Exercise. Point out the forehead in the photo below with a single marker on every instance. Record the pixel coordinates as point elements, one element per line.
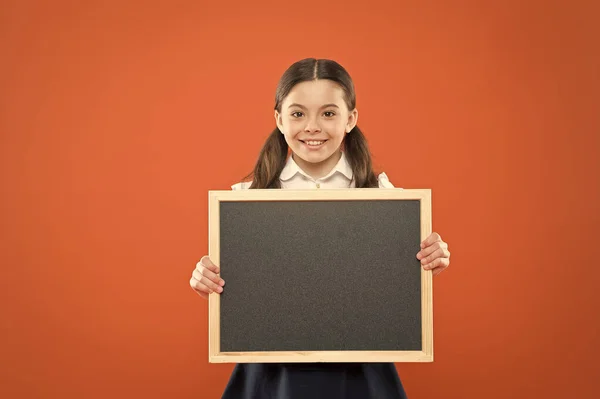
<point>315,93</point>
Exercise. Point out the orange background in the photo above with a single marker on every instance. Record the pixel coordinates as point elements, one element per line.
<point>116,119</point>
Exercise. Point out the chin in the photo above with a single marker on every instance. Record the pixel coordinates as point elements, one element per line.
<point>315,157</point>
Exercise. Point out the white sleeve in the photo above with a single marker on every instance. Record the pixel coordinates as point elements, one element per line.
<point>384,182</point>
<point>242,185</point>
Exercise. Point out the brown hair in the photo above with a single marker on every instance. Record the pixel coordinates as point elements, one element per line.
<point>273,155</point>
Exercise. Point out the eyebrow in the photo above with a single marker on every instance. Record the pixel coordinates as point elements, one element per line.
<point>303,107</point>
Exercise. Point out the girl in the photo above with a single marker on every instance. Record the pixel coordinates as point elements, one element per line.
<point>316,119</point>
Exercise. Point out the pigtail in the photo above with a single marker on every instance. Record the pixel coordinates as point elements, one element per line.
<point>357,152</point>
<point>270,163</point>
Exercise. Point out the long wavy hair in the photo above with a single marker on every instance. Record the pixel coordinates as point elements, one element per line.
<point>273,155</point>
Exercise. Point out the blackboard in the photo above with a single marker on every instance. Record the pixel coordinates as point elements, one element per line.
<point>320,276</point>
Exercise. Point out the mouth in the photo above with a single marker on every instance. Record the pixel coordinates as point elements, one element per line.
<point>313,143</point>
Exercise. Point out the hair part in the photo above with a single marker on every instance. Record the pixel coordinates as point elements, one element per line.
<point>273,155</point>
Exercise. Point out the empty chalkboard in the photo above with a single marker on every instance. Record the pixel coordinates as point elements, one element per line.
<point>320,276</point>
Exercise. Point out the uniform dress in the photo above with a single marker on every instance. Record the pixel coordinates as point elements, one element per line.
<point>318,380</point>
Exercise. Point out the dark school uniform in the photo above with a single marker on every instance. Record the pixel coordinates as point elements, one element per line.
<point>314,381</point>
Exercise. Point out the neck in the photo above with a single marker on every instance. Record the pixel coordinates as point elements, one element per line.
<point>318,170</point>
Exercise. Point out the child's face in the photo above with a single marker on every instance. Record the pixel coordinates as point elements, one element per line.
<point>314,119</point>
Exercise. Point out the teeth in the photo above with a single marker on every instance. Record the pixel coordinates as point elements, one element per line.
<point>314,142</point>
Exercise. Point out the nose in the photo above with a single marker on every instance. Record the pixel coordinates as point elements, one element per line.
<point>312,126</point>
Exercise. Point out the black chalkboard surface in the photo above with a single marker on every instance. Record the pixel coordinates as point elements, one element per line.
<point>320,276</point>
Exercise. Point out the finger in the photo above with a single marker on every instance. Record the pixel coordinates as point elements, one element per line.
<point>201,271</point>
<point>207,263</point>
<point>438,253</point>
<point>439,263</point>
<point>211,285</point>
<point>438,270</point>
<point>433,237</point>
<point>199,288</point>
<point>198,274</point>
<point>203,286</point>
<point>432,248</point>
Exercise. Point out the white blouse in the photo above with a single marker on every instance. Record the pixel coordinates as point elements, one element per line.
<point>295,178</point>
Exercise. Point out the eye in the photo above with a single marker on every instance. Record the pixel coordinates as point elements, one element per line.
<point>329,114</point>
<point>297,114</point>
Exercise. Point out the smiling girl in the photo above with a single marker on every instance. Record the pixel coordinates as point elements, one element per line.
<point>316,144</point>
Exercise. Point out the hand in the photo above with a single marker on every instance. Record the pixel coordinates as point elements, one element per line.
<point>205,279</point>
<point>434,254</point>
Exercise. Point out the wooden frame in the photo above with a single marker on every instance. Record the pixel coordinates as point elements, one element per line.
<point>424,355</point>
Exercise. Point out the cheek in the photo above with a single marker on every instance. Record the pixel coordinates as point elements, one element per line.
<point>293,125</point>
<point>337,129</point>
<point>290,137</point>
<point>292,130</point>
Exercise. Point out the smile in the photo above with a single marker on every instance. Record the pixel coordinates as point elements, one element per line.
<point>313,143</point>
